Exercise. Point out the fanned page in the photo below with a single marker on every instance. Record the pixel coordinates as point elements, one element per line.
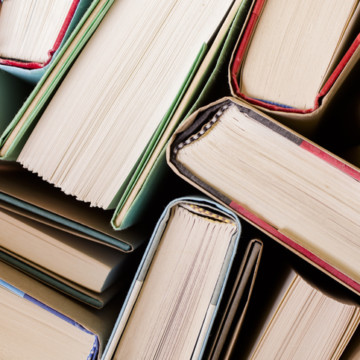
<point>178,296</point>
<point>30,330</point>
<point>104,114</point>
<point>291,49</point>
<point>308,324</point>
<point>29,29</point>
<point>292,189</point>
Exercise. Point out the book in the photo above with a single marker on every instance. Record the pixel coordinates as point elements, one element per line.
<point>175,295</point>
<point>32,34</point>
<point>40,323</point>
<point>273,63</point>
<point>87,265</point>
<point>289,187</point>
<point>227,328</point>
<point>305,322</point>
<point>113,112</point>
<point>40,223</point>
<point>42,202</point>
<point>134,178</point>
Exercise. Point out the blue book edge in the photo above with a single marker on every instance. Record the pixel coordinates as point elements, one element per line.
<point>151,250</point>
<point>95,348</point>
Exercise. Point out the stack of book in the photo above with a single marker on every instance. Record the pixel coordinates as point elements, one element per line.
<point>167,187</point>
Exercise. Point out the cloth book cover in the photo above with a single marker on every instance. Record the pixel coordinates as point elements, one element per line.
<point>305,120</point>
<point>150,255</point>
<point>205,120</point>
<point>227,327</point>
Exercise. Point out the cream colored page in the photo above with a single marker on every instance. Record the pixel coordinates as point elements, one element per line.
<point>27,331</point>
<point>29,28</point>
<point>173,302</point>
<point>291,49</point>
<point>79,260</point>
<point>302,327</point>
<point>291,189</point>
<point>115,95</point>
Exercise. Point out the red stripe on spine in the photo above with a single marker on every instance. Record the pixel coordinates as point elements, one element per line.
<point>306,253</point>
<point>59,39</point>
<point>240,53</point>
<point>331,160</point>
<point>339,68</point>
<point>250,26</point>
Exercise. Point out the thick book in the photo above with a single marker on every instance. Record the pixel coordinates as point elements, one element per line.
<point>39,223</point>
<point>40,323</point>
<point>175,296</point>
<point>32,34</point>
<point>293,59</point>
<point>289,187</point>
<point>305,321</point>
<point>133,179</point>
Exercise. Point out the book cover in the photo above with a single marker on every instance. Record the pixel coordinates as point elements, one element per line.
<point>267,200</point>
<point>304,120</point>
<point>195,210</point>
<point>211,72</point>
<point>97,324</point>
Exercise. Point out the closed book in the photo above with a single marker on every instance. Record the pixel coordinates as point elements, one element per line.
<point>289,187</point>
<point>294,59</point>
<point>174,298</point>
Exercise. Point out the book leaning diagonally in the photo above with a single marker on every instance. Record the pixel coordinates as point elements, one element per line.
<point>303,196</point>
<point>38,322</point>
<point>136,185</point>
<point>305,323</point>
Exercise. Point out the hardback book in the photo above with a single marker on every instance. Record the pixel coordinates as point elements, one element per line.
<point>232,311</point>
<point>32,33</point>
<point>289,187</point>
<point>40,223</point>
<point>107,146</point>
<point>38,322</point>
<point>305,322</point>
<point>293,57</point>
<point>174,299</point>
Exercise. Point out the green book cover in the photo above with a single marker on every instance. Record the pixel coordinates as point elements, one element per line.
<point>203,89</point>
